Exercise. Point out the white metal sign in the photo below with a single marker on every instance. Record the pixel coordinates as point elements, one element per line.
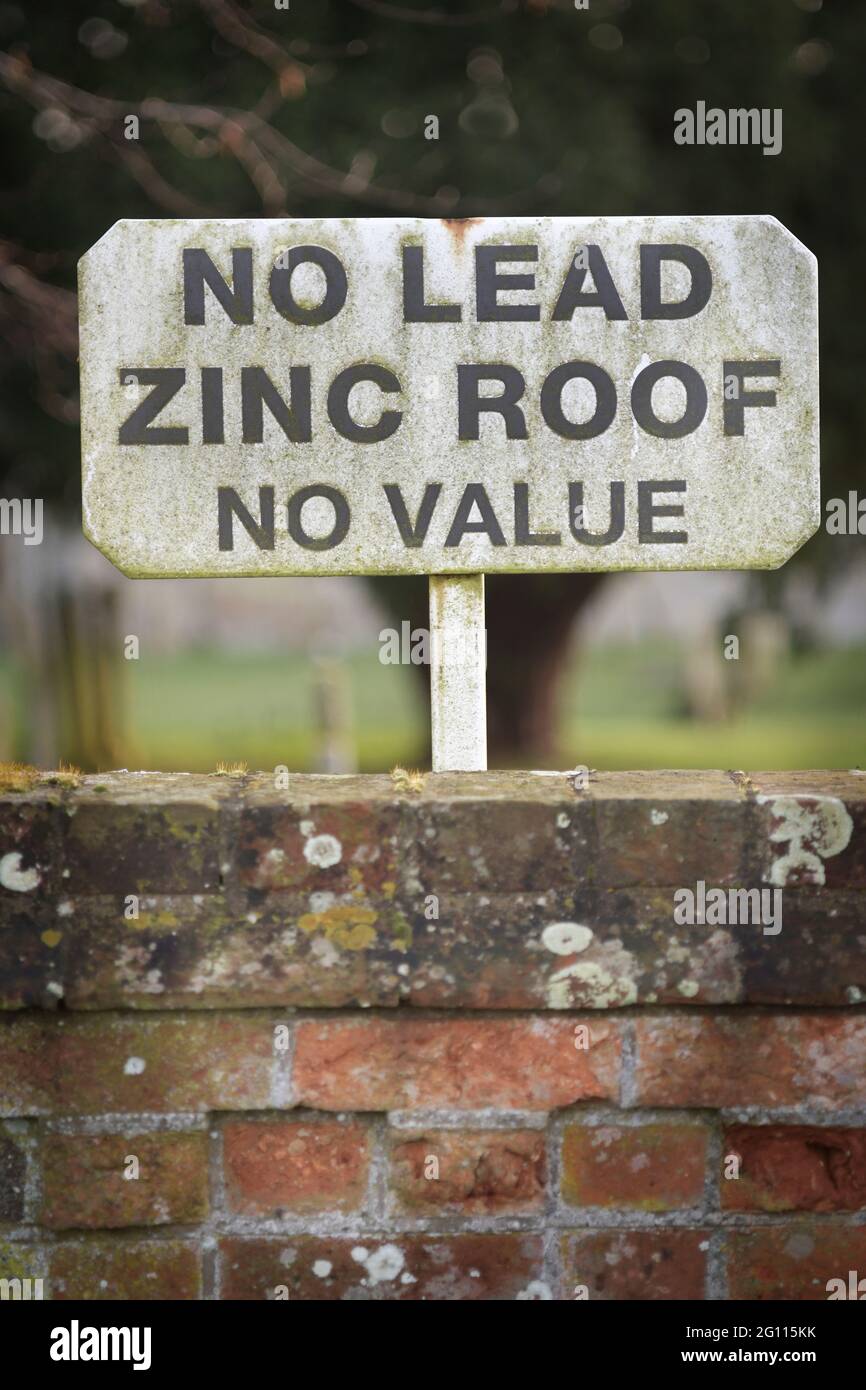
<point>450,398</point>
<point>393,396</point>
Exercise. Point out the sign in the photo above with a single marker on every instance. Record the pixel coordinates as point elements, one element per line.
<point>404,396</point>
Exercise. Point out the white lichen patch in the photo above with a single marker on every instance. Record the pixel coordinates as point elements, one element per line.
<point>133,974</point>
<point>588,985</point>
<point>658,817</point>
<point>606,981</point>
<point>382,1265</point>
<point>535,1291</point>
<point>714,965</point>
<point>325,951</point>
<point>323,851</point>
<point>16,879</point>
<point>320,902</point>
<point>814,827</point>
<point>566,938</point>
<point>134,1066</point>
<point>800,1245</point>
<point>322,1268</point>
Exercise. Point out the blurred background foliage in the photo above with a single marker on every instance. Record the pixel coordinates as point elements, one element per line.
<point>316,108</point>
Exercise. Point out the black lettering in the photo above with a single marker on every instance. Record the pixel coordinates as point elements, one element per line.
<point>475,494</point>
<point>414,308</point>
<point>413,536</point>
<point>166,382</point>
<point>576,515</point>
<point>605,296</point>
<point>199,270</point>
<point>212,416</point>
<point>338,404</point>
<point>522,533</point>
<point>642,406</point>
<point>470,405</point>
<point>229,504</point>
<point>488,283</point>
<point>734,411</point>
<point>335,291</point>
<point>551,400</point>
<point>342,517</point>
<point>647,510</point>
<point>258,390</point>
<point>651,257</point>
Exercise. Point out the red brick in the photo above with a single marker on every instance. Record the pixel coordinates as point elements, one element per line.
<point>92,1064</point>
<point>646,1167</point>
<point>13,1171</point>
<point>124,1269</point>
<point>634,1265</point>
<point>295,1165</point>
<point>793,1262</point>
<point>32,952</point>
<point>84,1183</point>
<point>31,826</point>
<point>197,951</point>
<point>795,1168</point>
<point>387,1268</point>
<point>812,827</point>
<point>664,828</point>
<point>194,1062</point>
<point>529,840</point>
<point>21,1259</point>
<point>337,841</point>
<point>153,834</point>
<point>752,1060</point>
<point>514,1063</point>
<point>27,1070</point>
<point>478,1171</point>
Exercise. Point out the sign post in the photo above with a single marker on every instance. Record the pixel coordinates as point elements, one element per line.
<point>458,656</point>
<point>451,399</point>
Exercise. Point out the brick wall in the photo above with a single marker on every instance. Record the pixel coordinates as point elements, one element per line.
<point>354,1040</point>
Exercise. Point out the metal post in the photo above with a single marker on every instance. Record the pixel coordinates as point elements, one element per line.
<point>458,660</point>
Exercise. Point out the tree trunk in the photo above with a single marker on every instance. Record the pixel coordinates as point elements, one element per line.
<point>529,625</point>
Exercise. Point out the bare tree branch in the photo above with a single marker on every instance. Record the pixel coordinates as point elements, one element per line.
<point>247,136</point>
<point>241,30</point>
<point>39,324</point>
<point>433,16</point>
<point>148,177</point>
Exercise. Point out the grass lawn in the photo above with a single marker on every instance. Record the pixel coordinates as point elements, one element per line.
<point>621,707</point>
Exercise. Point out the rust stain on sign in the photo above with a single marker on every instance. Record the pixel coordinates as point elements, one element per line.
<point>459,226</point>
